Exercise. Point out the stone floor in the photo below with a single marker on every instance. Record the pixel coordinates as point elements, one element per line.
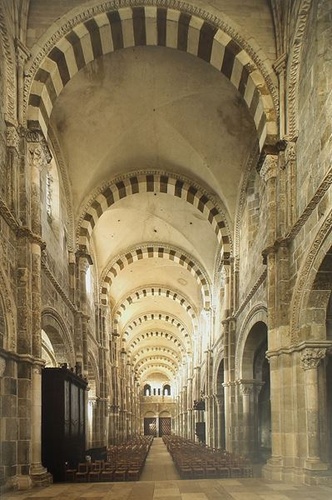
<point>159,481</point>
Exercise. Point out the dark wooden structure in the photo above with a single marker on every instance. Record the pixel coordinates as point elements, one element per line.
<point>63,420</point>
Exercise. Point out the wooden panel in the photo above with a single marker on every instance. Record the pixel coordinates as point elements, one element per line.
<point>63,420</point>
<point>165,426</point>
<point>150,426</point>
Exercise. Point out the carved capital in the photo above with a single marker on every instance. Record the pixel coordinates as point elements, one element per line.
<point>269,167</point>
<point>311,357</point>
<point>92,402</point>
<point>246,388</point>
<point>36,157</point>
<point>22,52</point>
<point>219,398</point>
<point>36,142</point>
<point>84,257</point>
<point>290,153</point>
<point>37,370</point>
<point>12,138</point>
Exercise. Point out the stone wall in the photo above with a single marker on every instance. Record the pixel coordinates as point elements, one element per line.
<point>252,236</point>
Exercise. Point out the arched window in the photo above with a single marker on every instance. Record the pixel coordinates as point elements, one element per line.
<point>167,390</point>
<point>147,390</point>
<point>48,353</point>
<point>89,284</point>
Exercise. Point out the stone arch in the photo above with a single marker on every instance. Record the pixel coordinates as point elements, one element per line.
<point>218,359</point>
<point>253,381</point>
<point>147,390</point>
<point>155,182</point>
<point>219,376</point>
<point>247,343</point>
<point>168,318</point>
<point>177,341</point>
<point>166,390</point>
<point>7,305</point>
<point>257,335</point>
<point>311,277</point>
<point>164,360</point>
<point>153,251</point>
<point>59,336</point>
<point>103,29</point>
<point>149,413</point>
<point>145,351</point>
<point>165,413</point>
<point>155,291</point>
<point>150,368</point>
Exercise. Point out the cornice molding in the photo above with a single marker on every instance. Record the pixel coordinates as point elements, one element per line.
<point>300,347</point>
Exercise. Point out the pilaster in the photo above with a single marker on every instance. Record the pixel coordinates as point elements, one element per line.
<point>310,360</point>
<point>83,260</point>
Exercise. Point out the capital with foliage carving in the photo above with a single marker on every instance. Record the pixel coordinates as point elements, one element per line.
<point>269,167</point>
<point>311,357</point>
<point>13,138</point>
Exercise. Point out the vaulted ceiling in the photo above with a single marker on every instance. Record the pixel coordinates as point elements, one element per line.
<point>156,143</point>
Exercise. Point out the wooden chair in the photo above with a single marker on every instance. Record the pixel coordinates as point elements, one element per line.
<point>120,474</point>
<point>185,471</point>
<point>82,472</point>
<point>70,473</point>
<point>107,472</point>
<point>94,471</point>
<point>198,472</point>
<point>222,471</point>
<point>133,474</point>
<point>210,471</point>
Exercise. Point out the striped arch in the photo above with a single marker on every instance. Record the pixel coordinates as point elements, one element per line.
<point>168,318</point>
<point>160,350</point>
<point>135,343</point>
<point>149,368</point>
<point>154,251</point>
<point>155,182</point>
<point>109,28</point>
<point>152,291</point>
<point>157,359</point>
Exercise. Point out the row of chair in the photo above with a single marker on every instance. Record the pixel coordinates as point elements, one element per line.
<point>124,462</point>
<point>194,461</point>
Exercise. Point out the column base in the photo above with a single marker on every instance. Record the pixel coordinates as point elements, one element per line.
<point>317,472</point>
<point>40,476</point>
<point>315,464</point>
<point>20,482</point>
<point>273,469</point>
<point>313,472</point>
